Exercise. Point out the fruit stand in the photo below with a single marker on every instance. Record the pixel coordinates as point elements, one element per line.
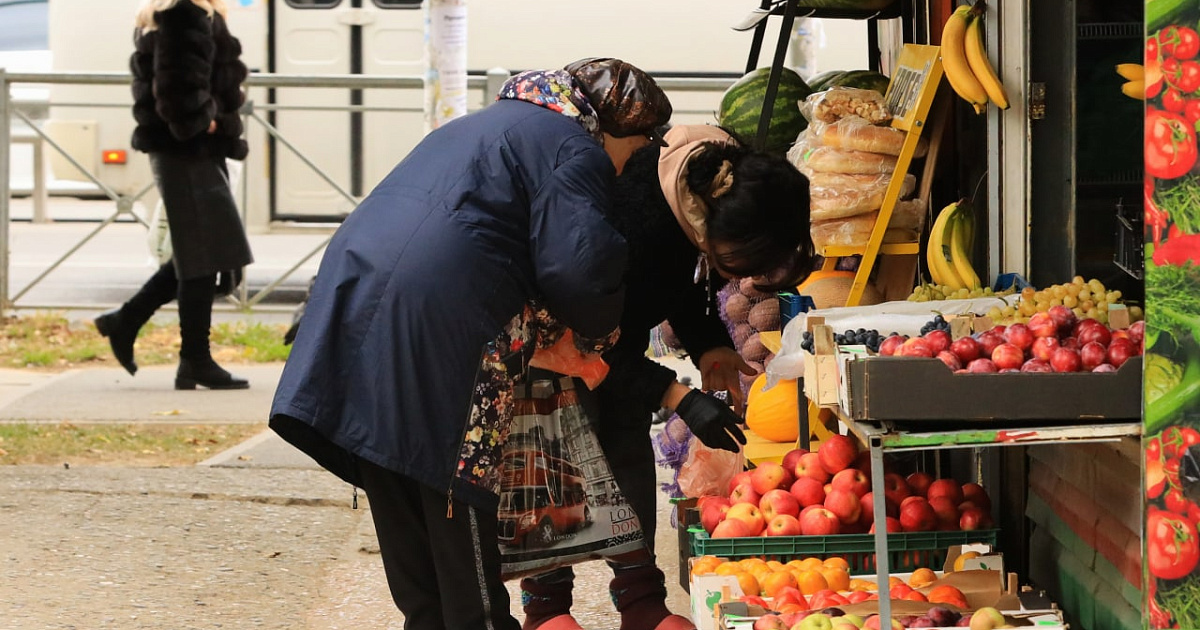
<point>1049,380</point>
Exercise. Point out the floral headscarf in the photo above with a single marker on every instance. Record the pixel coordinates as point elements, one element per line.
<point>555,90</point>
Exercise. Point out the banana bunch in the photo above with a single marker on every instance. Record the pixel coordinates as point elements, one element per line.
<point>950,239</point>
<point>1135,80</point>
<point>965,60</point>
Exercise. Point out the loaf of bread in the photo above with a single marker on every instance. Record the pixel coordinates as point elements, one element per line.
<point>837,195</point>
<point>829,160</point>
<point>856,134</point>
<point>841,102</point>
<point>907,219</point>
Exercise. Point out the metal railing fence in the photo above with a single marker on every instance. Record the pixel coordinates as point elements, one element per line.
<point>251,111</point>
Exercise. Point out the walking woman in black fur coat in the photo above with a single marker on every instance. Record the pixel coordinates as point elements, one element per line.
<point>187,79</point>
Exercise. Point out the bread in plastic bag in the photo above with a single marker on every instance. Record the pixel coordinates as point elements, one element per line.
<point>855,134</point>
<point>840,102</point>
<point>707,471</point>
<point>838,195</point>
<point>809,156</point>
<point>907,217</point>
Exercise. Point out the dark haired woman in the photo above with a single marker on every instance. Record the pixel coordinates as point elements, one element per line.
<point>186,89</point>
<point>703,206</point>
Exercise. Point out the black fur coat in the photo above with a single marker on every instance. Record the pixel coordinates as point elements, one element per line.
<point>187,73</point>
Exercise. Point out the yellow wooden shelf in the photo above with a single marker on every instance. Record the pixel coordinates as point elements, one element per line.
<point>759,450</point>
<point>893,249</point>
<point>772,340</point>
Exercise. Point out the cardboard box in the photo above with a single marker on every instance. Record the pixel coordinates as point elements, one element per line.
<point>707,591</point>
<point>919,389</point>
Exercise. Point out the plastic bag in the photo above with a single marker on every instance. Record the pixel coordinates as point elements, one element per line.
<point>707,471</point>
<point>158,236</point>
<point>565,358</point>
<point>855,134</point>
<point>840,102</point>
<point>838,195</point>
<point>559,503</point>
<point>855,231</point>
<point>810,156</point>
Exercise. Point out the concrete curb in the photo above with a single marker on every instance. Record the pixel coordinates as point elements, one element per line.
<point>232,453</point>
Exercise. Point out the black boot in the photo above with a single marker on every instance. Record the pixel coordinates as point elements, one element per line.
<point>196,365</point>
<point>121,326</point>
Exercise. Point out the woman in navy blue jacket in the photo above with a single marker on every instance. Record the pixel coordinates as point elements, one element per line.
<point>400,380</point>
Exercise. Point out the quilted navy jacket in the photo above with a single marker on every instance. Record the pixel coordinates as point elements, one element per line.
<point>489,211</point>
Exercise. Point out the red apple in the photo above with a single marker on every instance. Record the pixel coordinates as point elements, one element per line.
<point>791,457</point>
<point>974,519</point>
<point>939,340</point>
<point>975,493</point>
<point>948,488</point>
<point>744,493</point>
<point>916,347</point>
<point>1044,347</point>
<point>1105,367</point>
<point>1091,355</point>
<point>818,521</point>
<point>966,349</point>
<point>748,514</point>
<point>1137,332</point>
<point>732,528</point>
<point>810,466</point>
<point>895,488</point>
<point>770,622</point>
<point>1065,360</point>
<point>982,366</point>
<point>891,344</point>
<point>1098,333</point>
<point>1042,325</point>
<point>919,483</point>
<point>1063,317</point>
<point>1121,351</point>
<point>1019,336</point>
<point>1007,356</point>
<point>783,525</point>
<point>873,623</point>
<point>866,511</point>
<point>852,480</point>
<point>863,463</point>
<point>946,511</point>
<point>769,476</point>
<point>893,526</point>
<point>899,591</point>
<point>916,515</point>
<point>713,513</point>
<point>988,342</point>
<point>1037,365</point>
<point>844,504</point>
<point>738,479</point>
<point>776,502</point>
<point>1083,325</point>
<point>950,359</point>
<point>837,452</point>
<point>808,491</point>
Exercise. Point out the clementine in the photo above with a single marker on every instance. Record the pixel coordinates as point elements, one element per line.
<point>748,583</point>
<point>776,581</point>
<point>837,561</point>
<point>728,568</point>
<point>812,581</point>
<point>837,579</point>
<point>922,577</point>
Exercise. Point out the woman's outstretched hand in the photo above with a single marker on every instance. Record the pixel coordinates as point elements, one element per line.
<point>720,370</point>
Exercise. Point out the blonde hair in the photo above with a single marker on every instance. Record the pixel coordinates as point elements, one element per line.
<point>145,16</point>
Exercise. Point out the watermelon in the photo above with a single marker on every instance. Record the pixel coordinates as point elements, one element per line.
<point>742,105</point>
<point>865,79</point>
<point>821,81</point>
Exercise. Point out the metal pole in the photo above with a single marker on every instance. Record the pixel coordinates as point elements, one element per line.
<point>495,80</point>
<point>40,196</point>
<point>881,535</point>
<point>5,131</point>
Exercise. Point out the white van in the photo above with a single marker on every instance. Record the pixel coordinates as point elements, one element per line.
<point>387,37</point>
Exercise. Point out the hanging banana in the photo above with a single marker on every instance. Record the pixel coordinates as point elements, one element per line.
<point>940,269</point>
<point>959,255</point>
<point>954,60</point>
<point>977,59</point>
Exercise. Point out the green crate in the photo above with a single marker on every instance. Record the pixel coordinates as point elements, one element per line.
<point>906,552</point>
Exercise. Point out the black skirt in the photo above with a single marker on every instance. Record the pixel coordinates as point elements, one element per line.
<point>207,235</point>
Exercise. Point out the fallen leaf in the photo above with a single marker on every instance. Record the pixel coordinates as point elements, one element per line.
<point>173,412</point>
<point>245,458</point>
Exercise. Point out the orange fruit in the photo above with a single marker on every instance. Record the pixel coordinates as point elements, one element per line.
<point>760,574</point>
<point>705,565</point>
<point>749,564</point>
<point>796,564</point>
<point>946,594</point>
<point>894,582</point>
<point>775,565</point>
<point>959,561</point>
<point>837,579</point>
<point>922,577</point>
<point>728,568</point>
<point>862,585</point>
<point>838,562</point>
<point>777,580</point>
<point>810,564</point>
<point>812,581</point>
<point>792,607</point>
<point>748,583</point>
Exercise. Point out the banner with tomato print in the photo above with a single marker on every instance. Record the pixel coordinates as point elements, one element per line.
<point>1171,433</point>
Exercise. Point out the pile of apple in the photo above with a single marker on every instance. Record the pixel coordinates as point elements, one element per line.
<point>828,492</point>
<point>987,618</point>
<point>1052,341</point>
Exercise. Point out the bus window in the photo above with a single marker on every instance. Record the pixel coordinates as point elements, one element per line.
<point>313,4</point>
<point>398,4</point>
<point>541,498</point>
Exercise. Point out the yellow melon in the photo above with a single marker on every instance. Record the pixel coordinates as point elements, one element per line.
<point>829,289</point>
<point>774,414</point>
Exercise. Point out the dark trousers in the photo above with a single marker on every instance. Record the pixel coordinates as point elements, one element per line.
<point>443,569</point>
<point>195,297</point>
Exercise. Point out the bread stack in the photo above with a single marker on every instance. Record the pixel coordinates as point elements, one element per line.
<point>849,154</point>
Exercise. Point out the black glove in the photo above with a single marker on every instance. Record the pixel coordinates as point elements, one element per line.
<point>711,420</point>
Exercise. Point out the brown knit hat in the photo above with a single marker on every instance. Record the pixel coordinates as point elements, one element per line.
<point>628,102</point>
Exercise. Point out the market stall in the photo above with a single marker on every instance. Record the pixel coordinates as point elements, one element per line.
<point>968,445</point>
